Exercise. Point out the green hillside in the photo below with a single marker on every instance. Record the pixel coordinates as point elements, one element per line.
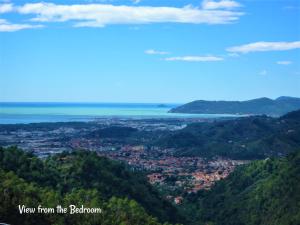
<point>258,106</point>
<point>253,137</point>
<point>263,192</point>
<point>82,178</point>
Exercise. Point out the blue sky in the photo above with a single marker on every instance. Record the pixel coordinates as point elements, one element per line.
<point>148,50</point>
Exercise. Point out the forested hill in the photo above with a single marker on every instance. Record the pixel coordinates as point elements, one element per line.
<point>263,192</point>
<point>80,178</point>
<point>258,106</point>
<point>254,137</point>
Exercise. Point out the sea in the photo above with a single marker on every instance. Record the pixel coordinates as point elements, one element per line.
<point>36,112</point>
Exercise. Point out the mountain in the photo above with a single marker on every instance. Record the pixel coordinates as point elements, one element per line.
<point>295,115</point>
<point>258,106</point>
<point>80,178</point>
<point>254,137</point>
<point>262,192</point>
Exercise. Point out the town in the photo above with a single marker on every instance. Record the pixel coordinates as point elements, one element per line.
<point>174,176</point>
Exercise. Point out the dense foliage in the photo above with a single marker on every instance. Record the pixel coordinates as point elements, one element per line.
<point>263,192</point>
<point>253,137</point>
<point>83,178</point>
<point>258,106</point>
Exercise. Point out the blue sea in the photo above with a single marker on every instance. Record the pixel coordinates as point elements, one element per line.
<point>13,113</point>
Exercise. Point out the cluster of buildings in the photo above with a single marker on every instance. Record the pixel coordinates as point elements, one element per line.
<point>45,139</point>
<point>173,174</point>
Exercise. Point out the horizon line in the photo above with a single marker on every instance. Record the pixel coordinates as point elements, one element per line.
<point>104,102</point>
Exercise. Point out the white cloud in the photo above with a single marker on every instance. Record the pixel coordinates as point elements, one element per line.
<point>99,15</point>
<point>195,58</point>
<point>98,1</point>
<point>233,54</point>
<point>223,4</point>
<point>284,62</point>
<point>265,46</point>
<point>155,52</point>
<point>6,26</point>
<point>136,1</point>
<point>263,72</point>
<point>5,8</point>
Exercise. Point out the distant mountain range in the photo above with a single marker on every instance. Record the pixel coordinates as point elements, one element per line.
<point>258,106</point>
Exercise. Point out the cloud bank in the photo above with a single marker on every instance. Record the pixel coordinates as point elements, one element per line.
<point>5,8</point>
<point>6,26</point>
<point>265,46</point>
<point>195,58</point>
<point>100,15</point>
<point>223,4</point>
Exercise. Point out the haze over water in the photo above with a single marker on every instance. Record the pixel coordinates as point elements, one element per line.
<point>11,113</point>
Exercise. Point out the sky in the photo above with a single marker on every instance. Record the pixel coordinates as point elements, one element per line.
<point>169,51</point>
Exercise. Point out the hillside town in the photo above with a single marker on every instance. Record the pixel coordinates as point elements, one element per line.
<point>173,174</point>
